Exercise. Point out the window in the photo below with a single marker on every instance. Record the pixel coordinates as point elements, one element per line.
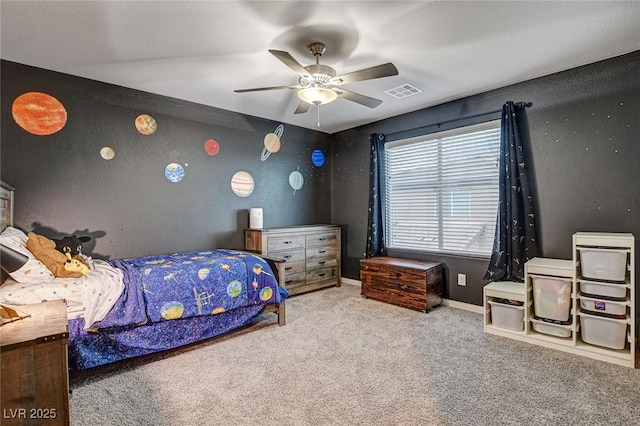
<point>441,191</point>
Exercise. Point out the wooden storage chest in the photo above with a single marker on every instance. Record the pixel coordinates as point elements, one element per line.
<point>311,254</point>
<point>33,357</point>
<point>413,284</point>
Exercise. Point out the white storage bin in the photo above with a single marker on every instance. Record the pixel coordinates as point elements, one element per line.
<point>506,316</point>
<point>551,297</point>
<point>602,331</point>
<point>618,291</point>
<point>603,264</point>
<point>552,329</point>
<point>609,307</point>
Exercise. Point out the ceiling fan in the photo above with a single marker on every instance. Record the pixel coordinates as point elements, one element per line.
<point>318,84</point>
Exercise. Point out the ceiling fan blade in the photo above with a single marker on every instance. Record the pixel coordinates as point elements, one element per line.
<point>384,70</point>
<point>259,89</point>
<point>289,61</point>
<point>357,97</point>
<point>302,108</point>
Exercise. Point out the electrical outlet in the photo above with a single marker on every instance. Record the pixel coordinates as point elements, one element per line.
<point>462,279</point>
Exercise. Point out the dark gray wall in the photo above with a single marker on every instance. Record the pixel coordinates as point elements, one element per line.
<point>126,204</point>
<point>583,126</point>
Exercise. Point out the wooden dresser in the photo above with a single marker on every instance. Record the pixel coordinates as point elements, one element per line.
<point>311,252</point>
<point>413,284</point>
<point>34,375</point>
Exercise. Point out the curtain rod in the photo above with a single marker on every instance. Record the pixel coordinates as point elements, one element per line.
<point>395,135</point>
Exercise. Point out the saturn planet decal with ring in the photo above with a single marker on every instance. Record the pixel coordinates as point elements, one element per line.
<point>272,143</point>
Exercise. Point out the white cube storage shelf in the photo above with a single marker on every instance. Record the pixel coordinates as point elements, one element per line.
<point>601,305</point>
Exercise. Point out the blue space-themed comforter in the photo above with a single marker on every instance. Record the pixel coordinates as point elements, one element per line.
<point>184,285</point>
<point>173,300</point>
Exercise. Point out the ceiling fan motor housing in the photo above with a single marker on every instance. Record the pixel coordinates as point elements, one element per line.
<point>318,75</point>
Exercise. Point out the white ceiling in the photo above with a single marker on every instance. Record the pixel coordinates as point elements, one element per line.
<point>202,51</point>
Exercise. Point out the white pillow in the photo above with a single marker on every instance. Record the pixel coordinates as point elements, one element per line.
<point>33,270</point>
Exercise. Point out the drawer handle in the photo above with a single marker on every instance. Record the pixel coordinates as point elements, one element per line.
<point>286,256</point>
<point>288,281</point>
<point>322,239</point>
<point>322,251</point>
<point>286,242</point>
<point>288,268</point>
<point>322,274</point>
<point>322,262</point>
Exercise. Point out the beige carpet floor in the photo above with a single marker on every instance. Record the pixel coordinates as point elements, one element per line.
<point>345,360</point>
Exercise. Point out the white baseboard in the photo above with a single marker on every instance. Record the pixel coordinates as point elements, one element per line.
<point>350,281</point>
<point>463,305</point>
<point>446,302</point>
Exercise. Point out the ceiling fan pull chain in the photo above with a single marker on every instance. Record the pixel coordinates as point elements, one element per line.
<point>318,125</point>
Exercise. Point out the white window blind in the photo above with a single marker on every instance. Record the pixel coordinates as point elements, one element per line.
<point>441,191</point>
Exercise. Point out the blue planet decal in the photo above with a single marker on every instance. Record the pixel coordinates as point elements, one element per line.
<point>174,172</point>
<point>234,288</point>
<point>317,158</point>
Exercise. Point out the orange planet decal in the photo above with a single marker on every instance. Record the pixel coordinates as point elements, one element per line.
<point>146,124</point>
<point>39,113</point>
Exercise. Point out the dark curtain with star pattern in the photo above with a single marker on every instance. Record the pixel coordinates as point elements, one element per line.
<point>375,235</point>
<point>516,240</point>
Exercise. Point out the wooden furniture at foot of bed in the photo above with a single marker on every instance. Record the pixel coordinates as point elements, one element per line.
<point>413,284</point>
<point>34,374</point>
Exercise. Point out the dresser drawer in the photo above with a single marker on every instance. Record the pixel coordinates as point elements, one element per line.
<point>293,279</point>
<point>321,263</point>
<point>322,252</point>
<point>323,239</point>
<point>289,255</point>
<point>286,242</point>
<point>321,274</point>
<point>294,267</point>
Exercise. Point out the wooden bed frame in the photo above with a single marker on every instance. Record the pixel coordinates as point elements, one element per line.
<point>276,264</point>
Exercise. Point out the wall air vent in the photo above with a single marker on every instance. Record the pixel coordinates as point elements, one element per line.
<point>403,91</point>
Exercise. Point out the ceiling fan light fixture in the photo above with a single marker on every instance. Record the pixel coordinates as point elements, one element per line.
<point>317,95</point>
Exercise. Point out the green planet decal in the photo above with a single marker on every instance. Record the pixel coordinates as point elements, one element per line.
<point>172,310</point>
<point>266,293</point>
<point>234,288</point>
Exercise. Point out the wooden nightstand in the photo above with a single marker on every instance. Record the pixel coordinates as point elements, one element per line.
<point>34,374</point>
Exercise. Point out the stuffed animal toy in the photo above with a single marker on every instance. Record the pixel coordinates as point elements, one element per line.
<point>45,251</point>
<point>73,245</point>
<point>74,264</point>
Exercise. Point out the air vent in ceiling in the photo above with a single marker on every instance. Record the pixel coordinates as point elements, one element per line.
<point>403,91</point>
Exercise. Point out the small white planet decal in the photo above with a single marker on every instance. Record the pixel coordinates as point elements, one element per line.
<point>107,153</point>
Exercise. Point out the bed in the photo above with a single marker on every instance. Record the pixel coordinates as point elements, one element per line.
<point>126,308</point>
